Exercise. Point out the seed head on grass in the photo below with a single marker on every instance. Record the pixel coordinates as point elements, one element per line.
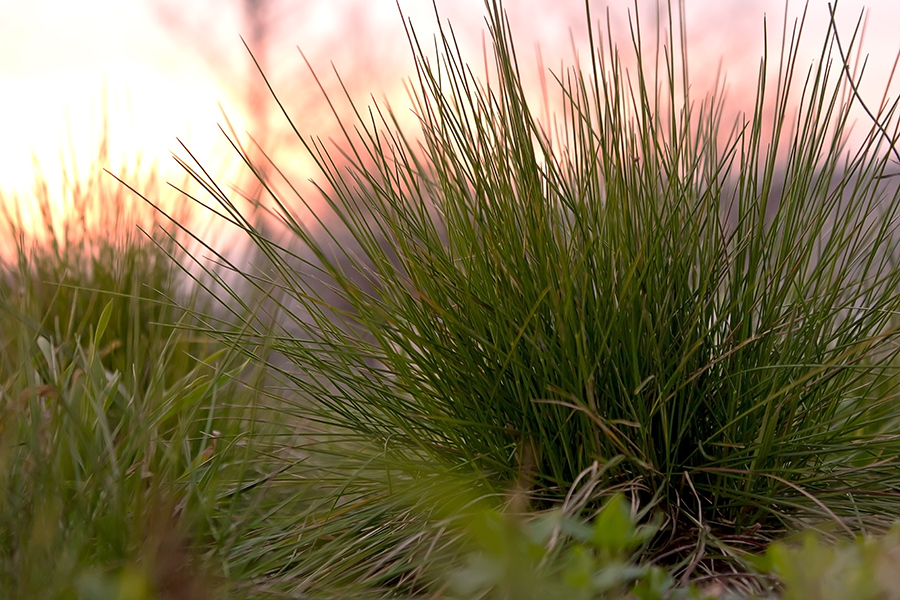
<point>635,295</point>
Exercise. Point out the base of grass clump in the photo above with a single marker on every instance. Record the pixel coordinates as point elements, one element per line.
<point>633,303</point>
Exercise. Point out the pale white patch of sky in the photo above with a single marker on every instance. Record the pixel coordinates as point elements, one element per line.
<point>58,59</point>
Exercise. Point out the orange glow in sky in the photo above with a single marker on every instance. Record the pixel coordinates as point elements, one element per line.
<point>61,62</point>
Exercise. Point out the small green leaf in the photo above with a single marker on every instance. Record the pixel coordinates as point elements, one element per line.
<point>613,528</point>
<point>579,569</point>
<point>103,322</point>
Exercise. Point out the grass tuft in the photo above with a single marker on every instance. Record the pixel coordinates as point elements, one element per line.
<point>633,299</point>
<point>118,422</point>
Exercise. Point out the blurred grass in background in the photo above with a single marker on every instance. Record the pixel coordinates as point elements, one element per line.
<point>117,417</point>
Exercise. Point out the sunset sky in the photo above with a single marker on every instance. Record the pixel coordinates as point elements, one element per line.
<point>162,68</point>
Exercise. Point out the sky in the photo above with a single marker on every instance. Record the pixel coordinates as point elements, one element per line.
<point>159,71</point>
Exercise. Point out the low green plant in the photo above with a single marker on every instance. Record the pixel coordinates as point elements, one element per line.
<point>810,568</point>
<point>557,556</point>
<point>703,317</point>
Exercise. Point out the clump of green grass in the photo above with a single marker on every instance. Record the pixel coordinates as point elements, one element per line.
<point>633,302</point>
<point>119,424</point>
